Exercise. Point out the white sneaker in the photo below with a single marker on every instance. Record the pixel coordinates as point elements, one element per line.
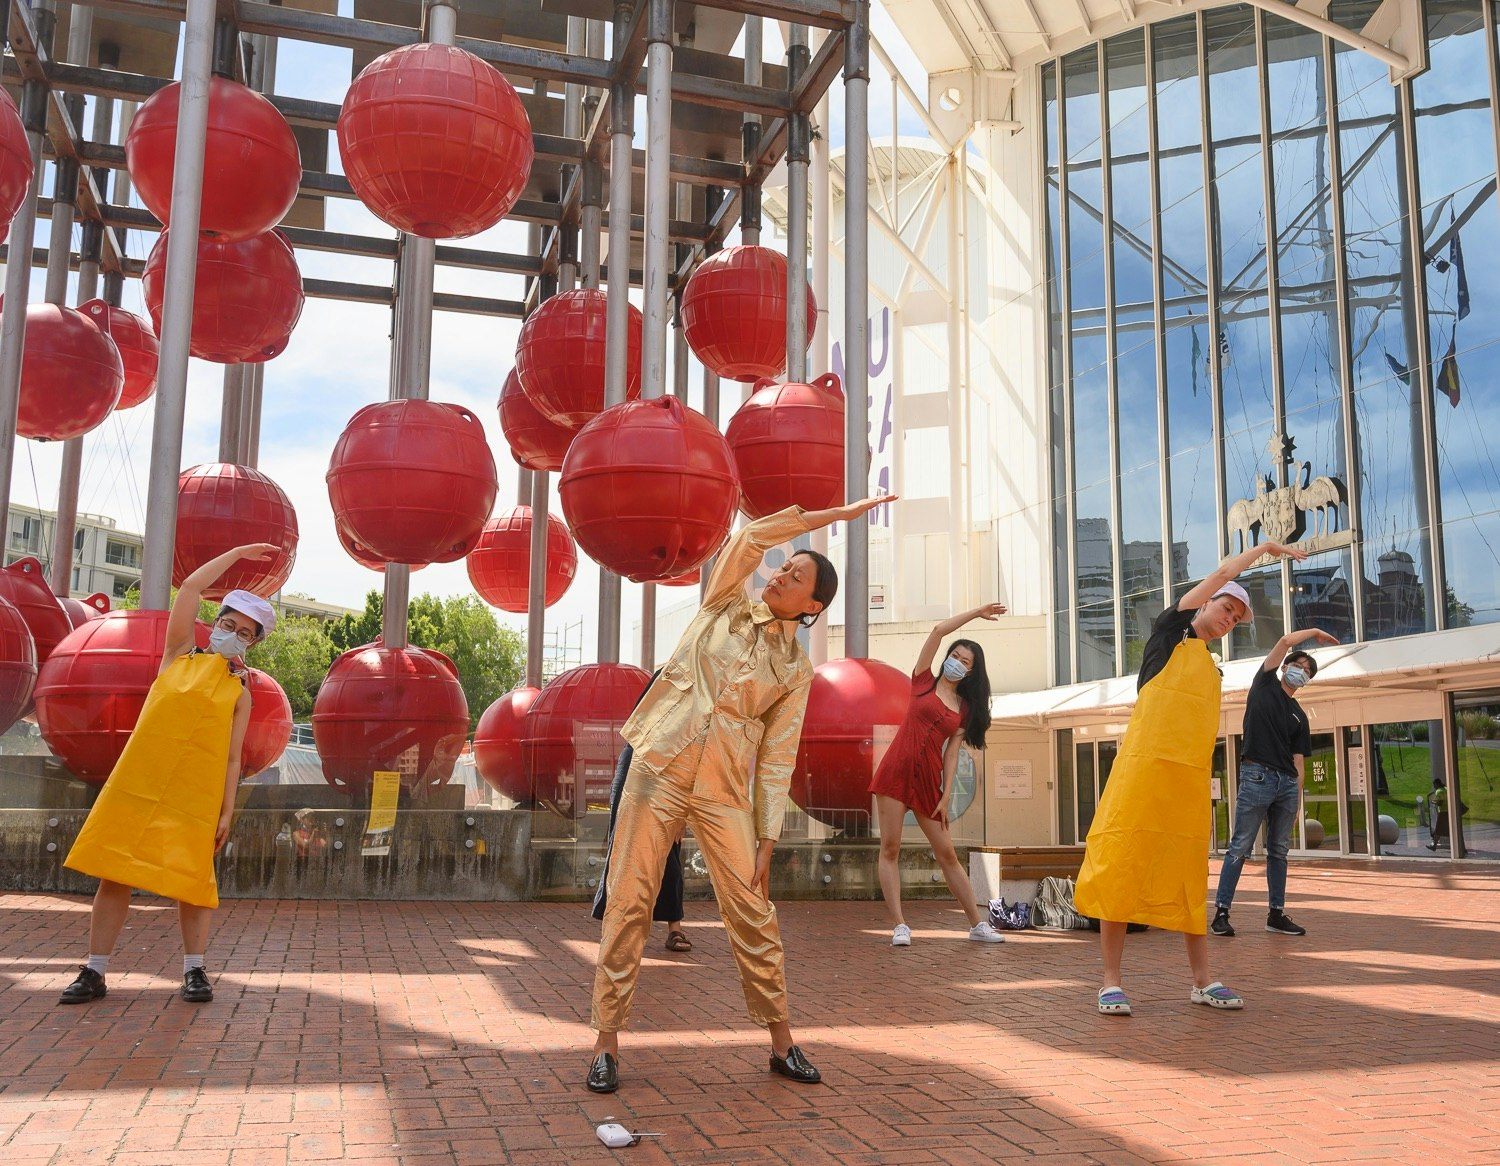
<point>983,932</point>
<point>901,936</point>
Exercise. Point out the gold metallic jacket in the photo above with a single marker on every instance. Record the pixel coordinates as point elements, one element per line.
<point>738,675</point>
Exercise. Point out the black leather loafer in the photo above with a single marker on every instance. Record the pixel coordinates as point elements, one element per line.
<point>604,1074</point>
<point>796,1066</point>
<point>195,987</point>
<point>88,986</point>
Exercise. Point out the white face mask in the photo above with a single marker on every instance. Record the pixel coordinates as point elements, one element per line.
<point>226,644</point>
<point>1295,677</point>
<point>954,670</point>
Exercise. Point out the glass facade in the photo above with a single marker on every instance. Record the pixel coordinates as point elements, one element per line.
<point>1262,326</point>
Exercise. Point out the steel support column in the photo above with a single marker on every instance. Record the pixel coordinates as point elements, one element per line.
<point>856,328</point>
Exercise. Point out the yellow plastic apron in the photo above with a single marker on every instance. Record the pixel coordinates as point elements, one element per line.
<point>1147,854</point>
<point>154,821</point>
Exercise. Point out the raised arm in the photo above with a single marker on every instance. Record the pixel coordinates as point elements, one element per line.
<point>1231,567</point>
<point>179,638</point>
<point>1290,641</point>
<point>948,627</point>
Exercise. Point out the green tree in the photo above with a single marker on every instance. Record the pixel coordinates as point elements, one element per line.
<point>490,658</point>
<point>297,655</point>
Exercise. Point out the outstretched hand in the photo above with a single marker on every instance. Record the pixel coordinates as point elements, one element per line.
<point>1322,637</point>
<point>991,611</point>
<point>257,550</point>
<point>1284,551</point>
<point>865,505</point>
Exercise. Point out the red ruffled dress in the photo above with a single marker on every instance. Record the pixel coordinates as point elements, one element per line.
<point>912,769</point>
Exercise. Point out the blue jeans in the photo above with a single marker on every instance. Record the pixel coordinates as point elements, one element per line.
<point>1264,796</point>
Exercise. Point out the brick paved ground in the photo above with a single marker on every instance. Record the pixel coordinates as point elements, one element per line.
<point>426,1034</point>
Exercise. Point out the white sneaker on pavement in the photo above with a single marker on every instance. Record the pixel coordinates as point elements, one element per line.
<point>901,936</point>
<point>983,932</point>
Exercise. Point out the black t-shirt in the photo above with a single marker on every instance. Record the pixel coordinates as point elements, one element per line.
<point>1169,630</point>
<point>1275,725</point>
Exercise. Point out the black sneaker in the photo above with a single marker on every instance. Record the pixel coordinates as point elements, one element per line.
<point>1278,922</point>
<point>88,986</point>
<point>195,987</point>
<point>1220,925</point>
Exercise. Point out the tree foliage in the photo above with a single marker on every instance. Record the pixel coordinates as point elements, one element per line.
<point>297,655</point>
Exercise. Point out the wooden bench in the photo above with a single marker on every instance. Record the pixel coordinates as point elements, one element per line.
<point>1039,862</point>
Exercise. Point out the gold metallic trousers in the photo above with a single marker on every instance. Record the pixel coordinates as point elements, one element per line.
<point>651,808</point>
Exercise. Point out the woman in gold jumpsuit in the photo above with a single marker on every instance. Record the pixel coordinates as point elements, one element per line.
<point>715,738</point>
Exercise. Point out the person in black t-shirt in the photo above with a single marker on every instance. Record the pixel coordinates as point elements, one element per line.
<point>1275,742</point>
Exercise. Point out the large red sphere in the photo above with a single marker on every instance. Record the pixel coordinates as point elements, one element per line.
<point>734,313</point>
<point>221,506</point>
<point>80,611</point>
<point>435,141</point>
<point>497,744</point>
<point>247,297</point>
<point>854,708</point>
<point>788,445</point>
<point>500,565</point>
<point>382,708</point>
<point>270,726</point>
<point>139,350</point>
<point>535,442</point>
<point>90,692</point>
<point>362,555</point>
<point>24,584</point>
<point>560,356</point>
<point>648,489</point>
<point>412,481</point>
<point>15,161</point>
<point>251,164</point>
<point>17,665</point>
<point>71,374</point>
<point>570,740</point>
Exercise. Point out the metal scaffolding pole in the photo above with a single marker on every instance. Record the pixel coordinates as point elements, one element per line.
<point>412,343</point>
<point>535,600</point>
<point>820,188</point>
<point>177,306</point>
<point>798,156</point>
<point>750,131</point>
<point>856,327</point>
<point>230,412</point>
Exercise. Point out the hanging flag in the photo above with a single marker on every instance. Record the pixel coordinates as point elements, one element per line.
<point>1401,371</point>
<point>1197,360</point>
<point>1223,349</point>
<point>1456,259</point>
<point>1447,378</point>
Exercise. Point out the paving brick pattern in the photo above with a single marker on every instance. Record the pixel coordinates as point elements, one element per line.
<point>434,1034</point>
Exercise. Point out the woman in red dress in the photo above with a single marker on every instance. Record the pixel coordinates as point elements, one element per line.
<point>946,713</point>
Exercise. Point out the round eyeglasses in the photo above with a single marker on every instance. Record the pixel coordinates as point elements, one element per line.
<point>244,635</point>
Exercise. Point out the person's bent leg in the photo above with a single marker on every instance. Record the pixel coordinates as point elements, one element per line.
<point>644,831</point>
<point>1282,813</point>
<point>891,814</point>
<point>1256,792</point>
<point>941,841</point>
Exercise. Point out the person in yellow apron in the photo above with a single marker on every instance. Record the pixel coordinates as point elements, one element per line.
<point>1146,859</point>
<point>715,739</point>
<point>167,806</point>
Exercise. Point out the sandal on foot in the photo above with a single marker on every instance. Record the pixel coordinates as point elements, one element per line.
<point>1113,1002</point>
<point>678,941</point>
<point>1215,995</point>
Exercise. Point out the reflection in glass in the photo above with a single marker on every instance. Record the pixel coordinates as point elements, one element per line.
<point>1475,794</point>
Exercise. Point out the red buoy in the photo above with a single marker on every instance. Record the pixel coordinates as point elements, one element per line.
<point>221,506</point>
<point>648,489</point>
<point>270,726</point>
<point>90,691</point>
<point>247,297</point>
<point>24,584</point>
<point>734,313</point>
<point>500,564</point>
<point>391,709</point>
<point>80,611</point>
<point>497,744</point>
<point>17,665</point>
<point>788,445</point>
<point>854,708</point>
<point>15,161</point>
<point>138,349</point>
<point>412,481</point>
<point>570,739</point>
<point>435,141</point>
<point>535,442</point>
<point>251,165</point>
<point>560,356</point>
<point>71,375</point>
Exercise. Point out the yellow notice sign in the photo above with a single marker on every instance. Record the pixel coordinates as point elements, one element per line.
<point>384,793</point>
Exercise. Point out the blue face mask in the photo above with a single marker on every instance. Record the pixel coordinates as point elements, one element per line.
<point>226,644</point>
<point>1295,677</point>
<point>954,670</point>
